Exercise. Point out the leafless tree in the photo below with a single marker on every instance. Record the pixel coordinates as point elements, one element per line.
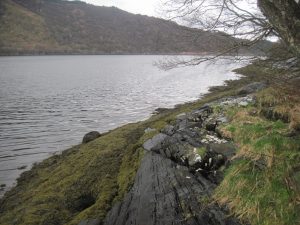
<point>249,21</point>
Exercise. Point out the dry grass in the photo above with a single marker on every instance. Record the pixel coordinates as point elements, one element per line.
<point>295,118</point>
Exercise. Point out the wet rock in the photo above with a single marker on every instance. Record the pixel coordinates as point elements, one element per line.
<point>155,143</point>
<point>90,136</point>
<point>167,194</point>
<point>251,88</point>
<point>90,222</point>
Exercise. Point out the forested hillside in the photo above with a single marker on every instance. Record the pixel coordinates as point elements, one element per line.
<point>63,27</point>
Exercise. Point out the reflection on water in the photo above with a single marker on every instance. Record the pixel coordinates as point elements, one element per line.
<point>49,102</point>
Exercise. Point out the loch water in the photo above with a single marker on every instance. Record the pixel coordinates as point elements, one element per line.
<point>48,103</point>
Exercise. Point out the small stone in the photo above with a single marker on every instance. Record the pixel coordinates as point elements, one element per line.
<point>90,136</point>
<point>243,103</point>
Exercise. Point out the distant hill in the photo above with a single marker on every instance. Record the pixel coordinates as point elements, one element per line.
<point>73,27</point>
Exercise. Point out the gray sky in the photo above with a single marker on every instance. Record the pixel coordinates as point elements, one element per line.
<point>145,7</point>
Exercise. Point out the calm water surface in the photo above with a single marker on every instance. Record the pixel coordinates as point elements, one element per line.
<point>47,103</point>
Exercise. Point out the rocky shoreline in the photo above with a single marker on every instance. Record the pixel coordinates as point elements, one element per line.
<point>182,166</point>
<point>195,164</point>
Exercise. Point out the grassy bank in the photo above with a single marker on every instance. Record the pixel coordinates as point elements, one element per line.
<point>262,184</point>
<point>85,181</point>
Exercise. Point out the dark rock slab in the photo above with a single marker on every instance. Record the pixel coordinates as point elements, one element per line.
<point>90,136</point>
<point>165,193</point>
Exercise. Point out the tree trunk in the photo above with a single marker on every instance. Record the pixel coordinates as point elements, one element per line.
<point>284,15</point>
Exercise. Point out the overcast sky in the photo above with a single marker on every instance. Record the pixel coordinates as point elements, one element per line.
<point>145,7</point>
